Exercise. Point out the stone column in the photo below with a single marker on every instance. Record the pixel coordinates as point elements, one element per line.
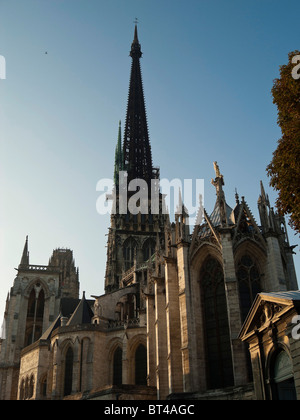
<point>151,356</point>
<point>276,277</point>
<point>173,327</point>
<point>57,373</point>
<point>76,367</point>
<point>233,308</point>
<point>125,361</point>
<point>161,339</point>
<point>187,328</point>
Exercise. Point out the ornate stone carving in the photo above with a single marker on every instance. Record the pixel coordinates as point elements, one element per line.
<point>269,311</point>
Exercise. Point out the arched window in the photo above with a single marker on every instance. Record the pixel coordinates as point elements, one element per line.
<point>282,378</point>
<point>129,252</point>
<point>68,371</point>
<point>44,386</point>
<point>27,389</point>
<point>148,249</point>
<point>40,305</point>
<point>216,327</point>
<point>249,283</point>
<point>117,367</point>
<point>31,387</point>
<point>31,304</point>
<point>141,365</point>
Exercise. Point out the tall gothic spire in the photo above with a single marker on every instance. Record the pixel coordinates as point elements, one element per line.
<point>137,150</point>
<point>221,211</point>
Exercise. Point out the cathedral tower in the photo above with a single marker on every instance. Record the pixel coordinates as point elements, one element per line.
<point>32,305</point>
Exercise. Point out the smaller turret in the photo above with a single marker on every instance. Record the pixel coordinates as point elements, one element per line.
<point>119,161</point>
<point>25,256</point>
<point>265,213</point>
<point>222,212</point>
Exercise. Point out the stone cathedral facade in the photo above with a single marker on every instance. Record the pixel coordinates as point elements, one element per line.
<point>188,313</point>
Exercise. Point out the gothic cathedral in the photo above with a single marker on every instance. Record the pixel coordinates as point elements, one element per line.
<point>202,314</point>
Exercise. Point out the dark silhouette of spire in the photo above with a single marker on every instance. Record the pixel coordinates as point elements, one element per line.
<point>137,150</point>
<point>25,256</point>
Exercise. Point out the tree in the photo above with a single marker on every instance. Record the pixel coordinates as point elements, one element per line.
<point>284,169</point>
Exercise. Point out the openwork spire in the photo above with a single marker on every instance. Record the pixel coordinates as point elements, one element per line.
<point>137,150</point>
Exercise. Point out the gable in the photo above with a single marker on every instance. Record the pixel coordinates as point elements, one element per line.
<point>204,233</point>
<point>246,226</point>
<point>266,309</point>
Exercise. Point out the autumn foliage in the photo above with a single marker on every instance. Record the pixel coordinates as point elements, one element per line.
<point>284,169</point>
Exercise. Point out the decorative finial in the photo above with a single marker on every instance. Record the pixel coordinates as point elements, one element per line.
<point>217,170</point>
<point>237,198</point>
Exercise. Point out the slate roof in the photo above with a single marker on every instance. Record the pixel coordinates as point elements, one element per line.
<point>79,312</point>
<point>83,313</point>
<point>55,324</point>
<point>215,216</point>
<point>68,306</point>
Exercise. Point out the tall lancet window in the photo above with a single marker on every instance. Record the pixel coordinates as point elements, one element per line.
<point>117,367</point>
<point>216,327</point>
<point>141,365</point>
<point>129,252</point>
<point>68,371</point>
<point>35,314</point>
<point>148,249</point>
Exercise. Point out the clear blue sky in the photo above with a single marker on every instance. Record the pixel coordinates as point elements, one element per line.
<point>208,68</point>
